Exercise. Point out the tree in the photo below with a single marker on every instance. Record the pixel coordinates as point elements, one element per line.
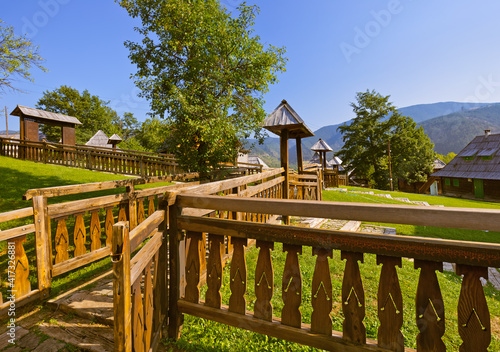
<point>17,56</point>
<point>205,72</point>
<point>366,142</point>
<point>446,158</point>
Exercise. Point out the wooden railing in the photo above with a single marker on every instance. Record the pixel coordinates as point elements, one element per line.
<point>119,161</point>
<point>73,234</point>
<point>306,187</point>
<point>472,261</point>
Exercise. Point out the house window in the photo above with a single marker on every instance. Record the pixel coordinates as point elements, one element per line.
<point>486,157</point>
<point>455,182</point>
<point>468,158</point>
<point>447,182</point>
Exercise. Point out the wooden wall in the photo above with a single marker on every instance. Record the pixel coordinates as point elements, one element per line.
<point>465,188</point>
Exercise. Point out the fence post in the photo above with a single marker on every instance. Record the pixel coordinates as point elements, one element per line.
<point>43,245</point>
<point>122,296</point>
<point>177,259</point>
<point>132,207</point>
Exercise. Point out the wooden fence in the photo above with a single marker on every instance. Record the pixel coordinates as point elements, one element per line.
<point>472,261</point>
<point>119,161</point>
<point>72,234</point>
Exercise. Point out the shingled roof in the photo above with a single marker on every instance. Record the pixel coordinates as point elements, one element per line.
<point>480,159</point>
<point>41,115</point>
<point>285,118</point>
<point>100,139</point>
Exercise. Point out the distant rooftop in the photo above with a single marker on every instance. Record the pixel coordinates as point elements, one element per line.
<point>41,115</point>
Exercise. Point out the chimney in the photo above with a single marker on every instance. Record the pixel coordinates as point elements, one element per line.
<point>487,133</point>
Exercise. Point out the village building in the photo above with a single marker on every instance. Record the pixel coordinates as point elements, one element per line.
<point>475,171</point>
<point>101,140</point>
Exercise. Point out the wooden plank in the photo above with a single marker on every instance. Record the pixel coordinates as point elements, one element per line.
<point>474,324</point>
<point>22,285</point>
<point>193,266</point>
<point>264,282</point>
<point>16,232</point>
<point>303,336</point>
<point>321,293</point>
<point>253,190</point>
<point>148,306</point>
<point>16,214</point>
<point>301,183</point>
<point>108,225</point>
<point>429,310</point>
<point>291,288</point>
<point>149,192</point>
<point>214,187</point>
<point>120,254</point>
<point>43,243</point>
<point>145,228</point>
<point>33,296</point>
<point>390,305</point>
<point>61,241</point>
<point>465,218</point>
<point>353,299</point>
<point>214,271</point>
<point>79,236</point>
<point>144,256</point>
<point>76,262</point>
<point>238,276</point>
<point>79,206</point>
<point>432,249</point>
<point>175,257</point>
<point>95,231</point>
<point>98,186</point>
<point>137,318</point>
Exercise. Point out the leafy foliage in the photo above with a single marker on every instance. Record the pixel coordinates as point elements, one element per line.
<point>205,71</point>
<point>366,141</point>
<point>446,158</point>
<point>17,56</point>
<point>93,113</point>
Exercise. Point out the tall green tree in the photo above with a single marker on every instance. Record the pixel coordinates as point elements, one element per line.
<point>367,137</point>
<point>205,71</point>
<point>17,56</point>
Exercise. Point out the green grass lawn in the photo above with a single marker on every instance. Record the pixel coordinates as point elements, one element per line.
<point>424,231</point>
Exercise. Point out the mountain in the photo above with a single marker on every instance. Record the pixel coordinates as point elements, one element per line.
<point>452,132</point>
<point>422,112</point>
<point>449,125</point>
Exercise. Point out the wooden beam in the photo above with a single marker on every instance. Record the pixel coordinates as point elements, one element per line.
<point>460,218</point>
<point>76,262</point>
<point>431,249</point>
<point>285,165</point>
<point>144,256</point>
<point>16,214</point>
<point>43,244</point>
<point>16,232</point>
<point>274,328</point>
<point>214,187</point>
<point>298,143</point>
<point>98,186</point>
<point>145,228</point>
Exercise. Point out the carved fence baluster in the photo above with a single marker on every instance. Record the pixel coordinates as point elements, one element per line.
<point>193,267</point>
<point>158,295</point>
<point>151,205</point>
<point>473,314</point>
<point>148,306</point>
<point>321,293</point>
<point>95,231</point>
<point>61,241</point>
<point>79,236</point>
<point>264,281</point>
<point>429,307</point>
<point>353,299</point>
<point>238,276</point>
<point>140,211</point>
<point>108,225</point>
<point>122,213</point>
<point>137,317</point>
<point>22,285</point>
<point>390,305</point>
<point>291,287</point>
<point>213,297</point>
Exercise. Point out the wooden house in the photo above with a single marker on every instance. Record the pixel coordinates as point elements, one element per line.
<point>100,139</point>
<point>475,171</point>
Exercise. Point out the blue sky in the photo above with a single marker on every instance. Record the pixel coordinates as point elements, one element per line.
<point>416,51</point>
